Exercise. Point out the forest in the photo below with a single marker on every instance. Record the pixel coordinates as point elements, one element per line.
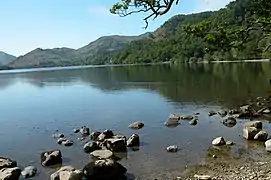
<point>240,31</point>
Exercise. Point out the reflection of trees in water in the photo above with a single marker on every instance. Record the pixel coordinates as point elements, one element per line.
<point>187,82</point>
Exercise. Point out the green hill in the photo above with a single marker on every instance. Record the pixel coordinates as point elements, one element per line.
<point>97,52</point>
<point>218,35</point>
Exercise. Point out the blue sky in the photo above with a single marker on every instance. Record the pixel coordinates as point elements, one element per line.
<point>29,24</point>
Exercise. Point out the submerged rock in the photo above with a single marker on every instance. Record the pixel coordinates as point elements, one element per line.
<point>229,121</point>
<point>85,131</point>
<point>172,123</point>
<point>212,113</point>
<point>222,113</point>
<point>172,148</point>
<point>102,154</point>
<point>29,172</point>
<point>76,130</point>
<point>193,122</point>
<point>105,170</point>
<point>58,136</point>
<point>229,143</point>
<point>50,158</point>
<point>136,125</point>
<point>220,141</point>
<point>67,173</point>
<point>133,141</point>
<point>10,173</point>
<point>187,117</point>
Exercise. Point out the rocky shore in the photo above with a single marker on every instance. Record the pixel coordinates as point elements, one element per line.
<point>103,148</point>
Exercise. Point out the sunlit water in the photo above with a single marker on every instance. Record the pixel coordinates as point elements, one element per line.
<point>35,104</point>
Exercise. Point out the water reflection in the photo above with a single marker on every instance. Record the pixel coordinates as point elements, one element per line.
<point>216,83</point>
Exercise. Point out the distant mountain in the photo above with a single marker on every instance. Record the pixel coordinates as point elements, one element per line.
<point>6,58</point>
<point>90,54</point>
<point>46,58</point>
<point>108,44</point>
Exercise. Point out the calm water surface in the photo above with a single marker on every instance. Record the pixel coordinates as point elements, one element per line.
<point>34,105</point>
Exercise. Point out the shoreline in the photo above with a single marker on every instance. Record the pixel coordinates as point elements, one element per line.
<point>22,70</point>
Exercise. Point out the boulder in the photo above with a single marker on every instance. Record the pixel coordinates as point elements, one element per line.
<point>220,141</point>
<point>67,173</point>
<point>260,104</point>
<point>91,146</point>
<point>10,173</point>
<point>85,131</point>
<point>174,117</point>
<point>105,135</point>
<point>245,108</point>
<point>116,144</point>
<point>60,140</point>
<point>268,145</point>
<point>65,142</point>
<point>173,120</point>
<point>173,148</point>
<point>76,130</point>
<point>50,158</point>
<point>104,170</point>
<point>212,113</point>
<point>229,121</point>
<point>57,136</point>
<point>261,136</point>
<point>29,172</point>
<point>256,124</point>
<point>250,132</point>
<point>94,135</point>
<point>234,111</point>
<point>102,154</point>
<point>266,111</point>
<point>7,163</point>
<point>136,125</point>
<point>193,122</point>
<point>133,141</point>
<point>222,113</point>
<point>261,110</point>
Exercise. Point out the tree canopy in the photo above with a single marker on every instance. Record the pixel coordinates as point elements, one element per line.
<point>241,30</point>
<point>154,8</point>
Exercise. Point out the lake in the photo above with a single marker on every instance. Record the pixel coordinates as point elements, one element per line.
<point>36,104</point>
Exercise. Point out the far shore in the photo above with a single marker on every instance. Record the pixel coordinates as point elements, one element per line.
<point>19,70</point>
